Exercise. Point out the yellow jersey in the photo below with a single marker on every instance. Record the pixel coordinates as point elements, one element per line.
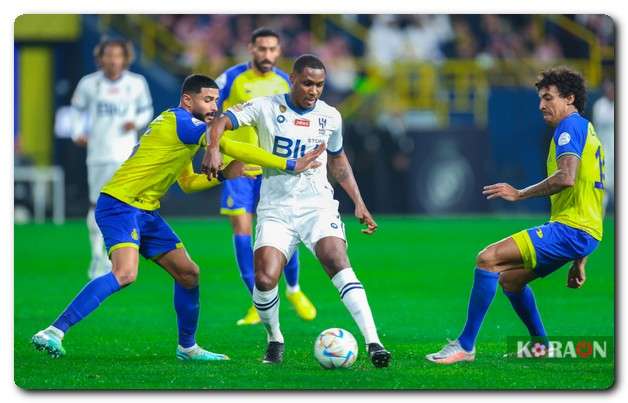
<point>164,155</point>
<point>240,84</point>
<point>579,206</point>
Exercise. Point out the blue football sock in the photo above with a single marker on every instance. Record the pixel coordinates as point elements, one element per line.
<point>90,297</point>
<point>482,294</point>
<point>186,303</point>
<point>524,304</point>
<point>291,271</point>
<point>244,257</point>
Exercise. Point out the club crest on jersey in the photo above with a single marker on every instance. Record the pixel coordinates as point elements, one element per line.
<point>302,122</point>
<point>564,138</point>
<point>281,118</point>
<point>322,122</point>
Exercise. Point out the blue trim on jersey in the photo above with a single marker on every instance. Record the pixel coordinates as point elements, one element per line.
<point>188,131</point>
<point>233,119</point>
<point>577,127</point>
<point>297,108</point>
<point>330,152</point>
<point>283,75</point>
<point>231,73</point>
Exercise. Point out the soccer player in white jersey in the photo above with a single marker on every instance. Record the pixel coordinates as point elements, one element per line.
<point>117,104</point>
<point>301,208</point>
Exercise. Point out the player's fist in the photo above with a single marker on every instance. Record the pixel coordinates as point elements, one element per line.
<point>576,276</point>
<point>503,190</point>
<point>308,161</point>
<point>212,162</point>
<point>362,214</point>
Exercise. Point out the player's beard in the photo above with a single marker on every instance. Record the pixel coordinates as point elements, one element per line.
<point>263,65</point>
<point>207,117</point>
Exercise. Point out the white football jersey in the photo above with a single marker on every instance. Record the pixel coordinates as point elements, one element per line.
<point>288,131</point>
<point>108,105</point>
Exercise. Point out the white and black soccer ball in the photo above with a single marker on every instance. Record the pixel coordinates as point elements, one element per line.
<point>335,348</point>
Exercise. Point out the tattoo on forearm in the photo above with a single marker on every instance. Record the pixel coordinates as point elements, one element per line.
<point>547,187</point>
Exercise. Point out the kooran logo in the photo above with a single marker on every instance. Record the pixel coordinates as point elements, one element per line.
<point>581,348</point>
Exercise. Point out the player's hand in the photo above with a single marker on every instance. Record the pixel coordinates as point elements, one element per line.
<point>212,162</point>
<point>128,126</point>
<point>308,161</point>
<point>503,190</point>
<point>81,140</point>
<point>576,276</point>
<point>362,213</point>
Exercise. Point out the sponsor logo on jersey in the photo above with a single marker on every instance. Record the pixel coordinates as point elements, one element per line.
<point>334,225</point>
<point>197,122</point>
<point>288,148</point>
<point>302,122</point>
<point>564,138</point>
<point>281,118</point>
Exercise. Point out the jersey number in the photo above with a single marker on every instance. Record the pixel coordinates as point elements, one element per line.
<point>600,160</point>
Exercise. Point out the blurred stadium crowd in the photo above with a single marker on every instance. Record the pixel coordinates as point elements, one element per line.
<point>432,104</point>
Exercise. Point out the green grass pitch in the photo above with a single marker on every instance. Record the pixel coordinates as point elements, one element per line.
<point>417,273</point>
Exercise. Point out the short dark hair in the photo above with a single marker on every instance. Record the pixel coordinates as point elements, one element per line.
<point>307,60</point>
<point>195,82</point>
<point>567,81</point>
<point>127,48</point>
<point>263,32</point>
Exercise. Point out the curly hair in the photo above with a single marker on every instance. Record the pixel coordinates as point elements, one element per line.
<point>126,46</point>
<point>567,81</point>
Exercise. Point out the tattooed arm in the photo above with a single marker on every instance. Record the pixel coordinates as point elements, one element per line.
<point>341,171</point>
<point>564,177</point>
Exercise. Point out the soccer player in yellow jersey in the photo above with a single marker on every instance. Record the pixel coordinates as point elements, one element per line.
<point>575,184</point>
<point>240,195</point>
<point>127,213</point>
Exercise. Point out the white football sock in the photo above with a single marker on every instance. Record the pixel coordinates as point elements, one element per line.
<point>353,296</point>
<point>267,305</point>
<point>95,237</point>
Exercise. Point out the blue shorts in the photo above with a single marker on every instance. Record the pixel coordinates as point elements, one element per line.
<point>123,225</point>
<point>240,195</point>
<point>548,247</point>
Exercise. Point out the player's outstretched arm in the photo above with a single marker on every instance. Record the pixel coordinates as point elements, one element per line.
<point>340,169</point>
<point>564,177</point>
<point>212,161</point>
<point>189,181</point>
<point>577,276</point>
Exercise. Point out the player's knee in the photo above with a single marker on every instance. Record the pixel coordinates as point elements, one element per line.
<point>189,275</point>
<point>486,259</point>
<point>263,281</point>
<point>124,275</point>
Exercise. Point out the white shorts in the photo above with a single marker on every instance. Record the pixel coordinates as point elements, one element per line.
<point>97,176</point>
<point>283,229</point>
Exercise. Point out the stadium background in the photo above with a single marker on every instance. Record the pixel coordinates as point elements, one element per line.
<point>434,107</point>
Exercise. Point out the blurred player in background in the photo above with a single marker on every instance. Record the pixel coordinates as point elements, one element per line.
<point>116,103</point>
<point>575,184</point>
<point>240,196</point>
<point>127,212</point>
<point>604,121</point>
<point>301,208</point>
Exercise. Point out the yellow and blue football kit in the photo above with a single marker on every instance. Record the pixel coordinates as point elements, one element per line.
<point>239,84</point>
<point>575,226</point>
<point>127,211</point>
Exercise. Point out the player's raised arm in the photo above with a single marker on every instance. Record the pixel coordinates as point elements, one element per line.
<point>563,177</point>
<point>340,169</point>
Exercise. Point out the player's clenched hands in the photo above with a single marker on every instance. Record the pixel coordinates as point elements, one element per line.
<point>308,161</point>
<point>365,217</point>
<point>503,190</point>
<point>212,162</point>
<point>576,276</point>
